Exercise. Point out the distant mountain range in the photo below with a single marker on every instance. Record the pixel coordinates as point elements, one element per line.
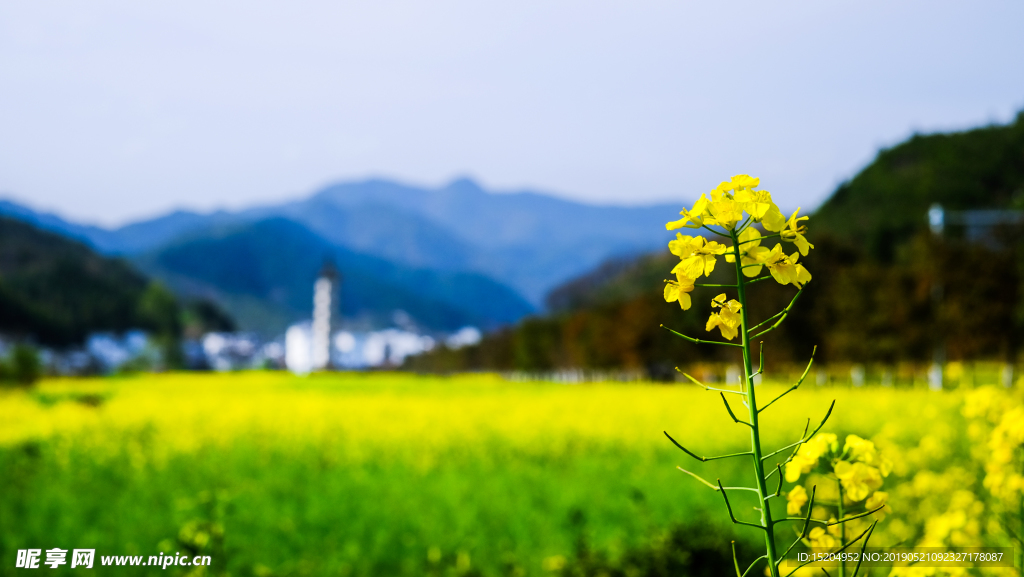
<point>457,254</point>
<point>263,274</point>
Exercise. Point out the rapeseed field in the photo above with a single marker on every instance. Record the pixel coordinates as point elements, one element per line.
<point>397,474</point>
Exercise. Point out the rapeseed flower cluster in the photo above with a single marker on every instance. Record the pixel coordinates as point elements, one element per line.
<point>857,472</point>
<point>735,206</point>
<point>1000,415</point>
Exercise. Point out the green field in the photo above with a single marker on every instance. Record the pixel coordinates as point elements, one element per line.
<point>395,474</point>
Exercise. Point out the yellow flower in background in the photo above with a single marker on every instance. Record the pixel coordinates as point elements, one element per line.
<point>884,466</point>
<point>794,233</point>
<point>860,449</point>
<point>700,255</point>
<point>821,539</point>
<point>751,252</point>
<point>858,479</point>
<point>834,530</point>
<point>795,500</point>
<point>955,370</point>
<point>876,500</point>
<point>1002,474</point>
<point>798,466</point>
<point>693,218</point>
<point>808,454</point>
<point>728,319</point>
<point>679,290</point>
<point>823,443</point>
<point>820,445</point>
<point>785,269</point>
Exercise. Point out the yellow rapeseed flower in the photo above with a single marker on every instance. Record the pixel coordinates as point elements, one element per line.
<point>739,182</point>
<point>794,233</point>
<point>693,218</point>
<point>821,539</point>
<point>756,203</point>
<point>859,449</point>
<point>807,455</point>
<point>785,269</point>
<point>724,211</point>
<point>858,479</point>
<point>795,500</point>
<point>679,290</point>
<point>684,246</point>
<point>697,255</point>
<point>728,320</point>
<point>876,500</point>
<point>752,254</point>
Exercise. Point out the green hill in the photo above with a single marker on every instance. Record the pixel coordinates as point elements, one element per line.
<point>887,202</point>
<point>57,290</point>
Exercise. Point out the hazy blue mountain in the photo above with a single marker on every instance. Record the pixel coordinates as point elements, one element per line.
<point>99,238</point>
<point>263,273</point>
<point>529,241</point>
<point>129,239</point>
<point>154,233</point>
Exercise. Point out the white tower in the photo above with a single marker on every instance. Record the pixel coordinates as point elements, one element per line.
<point>323,303</point>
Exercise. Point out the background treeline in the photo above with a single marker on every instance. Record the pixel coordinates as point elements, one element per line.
<point>55,291</point>
<point>886,289</point>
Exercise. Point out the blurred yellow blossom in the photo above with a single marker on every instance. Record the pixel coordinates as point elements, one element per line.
<point>795,500</point>
<point>876,500</point>
<point>821,538</point>
<point>807,455</point>
<point>858,479</point>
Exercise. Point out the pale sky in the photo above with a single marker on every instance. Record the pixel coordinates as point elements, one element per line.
<point>113,111</point>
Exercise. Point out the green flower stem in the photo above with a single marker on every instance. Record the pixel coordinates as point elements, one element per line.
<point>713,230</point>
<point>699,341</point>
<point>760,238</point>
<point>755,432</point>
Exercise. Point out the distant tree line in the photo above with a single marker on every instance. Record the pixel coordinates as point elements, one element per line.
<point>947,295</point>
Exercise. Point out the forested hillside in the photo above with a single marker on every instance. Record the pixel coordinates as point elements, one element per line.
<point>886,204</point>
<point>55,291</point>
